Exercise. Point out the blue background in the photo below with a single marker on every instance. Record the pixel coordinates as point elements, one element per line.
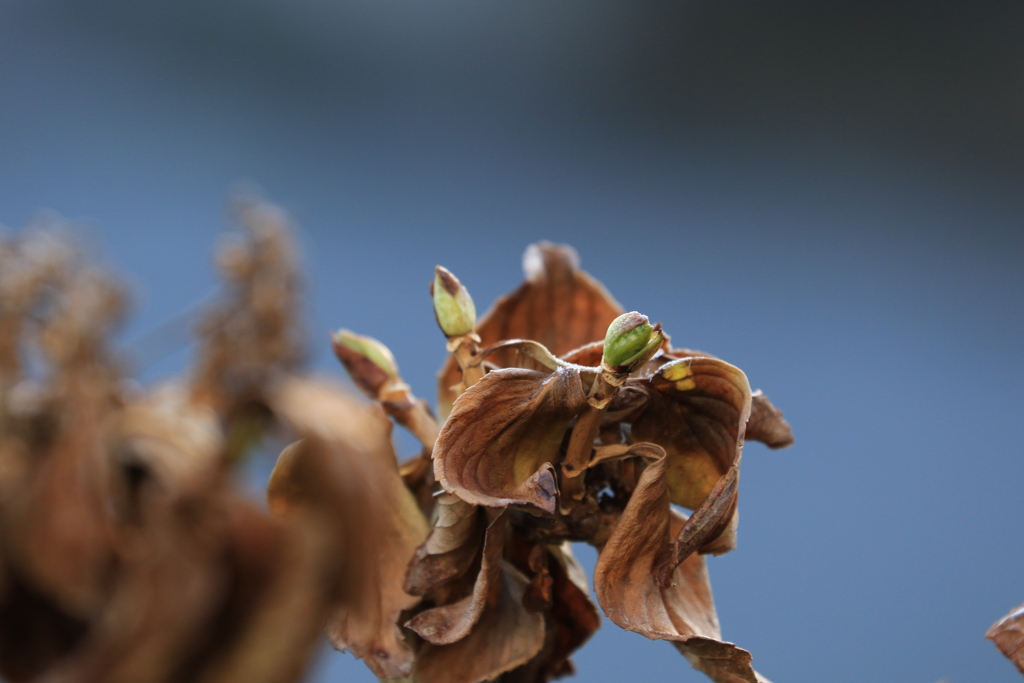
<point>829,195</point>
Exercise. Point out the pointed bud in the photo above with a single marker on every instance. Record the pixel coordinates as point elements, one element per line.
<point>368,362</point>
<point>453,307</point>
<point>630,341</point>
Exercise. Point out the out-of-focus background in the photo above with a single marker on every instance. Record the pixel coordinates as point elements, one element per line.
<point>829,195</point>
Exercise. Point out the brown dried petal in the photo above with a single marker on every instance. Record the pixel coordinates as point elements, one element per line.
<point>697,410</point>
<point>276,578</point>
<point>347,475</point>
<point>559,305</point>
<point>1008,635</point>
<point>766,423</point>
<point>628,589</point>
<point>498,445</point>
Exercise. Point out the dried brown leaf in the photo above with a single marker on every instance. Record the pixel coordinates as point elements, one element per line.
<point>1008,635</point>
<point>451,622</point>
<point>56,522</point>
<point>452,546</point>
<point>766,423</point>
<point>628,588</point>
<point>345,473</point>
<point>498,446</point>
<point>697,410</point>
<point>506,635</point>
<point>205,600</point>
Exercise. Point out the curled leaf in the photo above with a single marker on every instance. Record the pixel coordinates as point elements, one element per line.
<point>506,635</point>
<point>203,578</point>
<point>766,423</point>
<point>344,473</point>
<point>498,445</point>
<point>682,610</point>
<point>450,548</point>
<point>697,410</point>
<point>451,622</point>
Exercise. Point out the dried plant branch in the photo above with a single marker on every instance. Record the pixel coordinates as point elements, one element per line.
<point>127,554</point>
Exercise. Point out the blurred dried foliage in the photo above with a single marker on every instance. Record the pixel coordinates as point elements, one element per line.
<point>127,554</point>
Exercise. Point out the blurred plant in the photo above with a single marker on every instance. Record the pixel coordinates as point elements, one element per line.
<point>127,555</point>
<point>1008,635</point>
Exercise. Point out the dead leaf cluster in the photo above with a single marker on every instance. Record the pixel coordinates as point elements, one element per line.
<point>128,554</point>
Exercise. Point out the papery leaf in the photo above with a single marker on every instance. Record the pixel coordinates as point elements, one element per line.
<point>274,577</point>
<point>451,622</point>
<point>1008,635</point>
<point>697,410</point>
<point>651,451</point>
<point>628,588</point>
<point>506,636</point>
<point>559,305</point>
<point>766,423</point>
<point>451,547</point>
<point>504,433</point>
<point>347,475</point>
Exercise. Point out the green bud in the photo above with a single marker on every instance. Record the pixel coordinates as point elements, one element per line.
<point>630,341</point>
<point>368,362</point>
<point>453,307</point>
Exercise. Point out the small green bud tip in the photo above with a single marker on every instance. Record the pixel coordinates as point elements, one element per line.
<point>368,362</point>
<point>630,340</point>
<point>453,307</point>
